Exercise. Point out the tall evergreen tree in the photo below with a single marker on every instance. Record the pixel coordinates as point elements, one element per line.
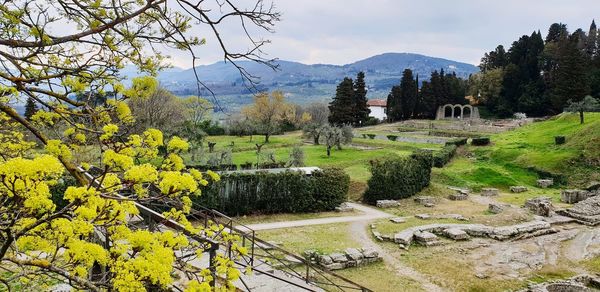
<point>409,93</point>
<point>341,107</point>
<point>30,108</point>
<point>361,110</point>
<point>394,104</point>
<point>570,82</point>
<point>591,45</point>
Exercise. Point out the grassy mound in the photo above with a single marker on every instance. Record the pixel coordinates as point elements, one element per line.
<point>522,156</point>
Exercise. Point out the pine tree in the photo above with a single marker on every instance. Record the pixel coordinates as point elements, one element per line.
<point>570,82</point>
<point>341,107</point>
<point>30,108</point>
<point>591,46</point>
<point>361,110</point>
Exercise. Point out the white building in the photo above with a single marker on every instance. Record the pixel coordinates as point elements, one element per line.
<point>378,108</point>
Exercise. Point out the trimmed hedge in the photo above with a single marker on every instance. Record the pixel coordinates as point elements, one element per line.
<point>392,137</point>
<point>371,136</point>
<point>398,178</point>
<point>559,140</point>
<point>444,155</point>
<point>457,142</point>
<point>284,192</point>
<point>480,141</point>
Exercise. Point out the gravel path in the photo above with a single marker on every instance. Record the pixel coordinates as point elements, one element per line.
<point>359,232</point>
<point>368,215</point>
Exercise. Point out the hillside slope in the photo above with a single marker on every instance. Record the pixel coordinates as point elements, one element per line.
<point>522,156</point>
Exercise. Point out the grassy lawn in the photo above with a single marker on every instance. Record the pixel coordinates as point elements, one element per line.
<point>323,238</point>
<point>508,161</point>
<point>380,277</point>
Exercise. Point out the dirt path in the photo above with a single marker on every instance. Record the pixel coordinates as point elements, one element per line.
<point>359,233</point>
<point>368,215</point>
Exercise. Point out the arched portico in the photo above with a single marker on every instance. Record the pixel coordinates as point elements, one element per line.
<point>457,111</point>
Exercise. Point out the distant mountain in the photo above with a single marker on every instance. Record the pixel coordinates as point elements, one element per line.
<point>304,83</point>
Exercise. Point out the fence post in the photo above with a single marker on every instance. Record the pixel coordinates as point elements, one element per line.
<point>212,253</point>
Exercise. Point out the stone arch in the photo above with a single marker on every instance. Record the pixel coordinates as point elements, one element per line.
<point>458,111</point>
<point>448,112</point>
<point>467,111</point>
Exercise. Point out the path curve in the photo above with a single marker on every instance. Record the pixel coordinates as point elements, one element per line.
<point>368,214</point>
<point>360,234</point>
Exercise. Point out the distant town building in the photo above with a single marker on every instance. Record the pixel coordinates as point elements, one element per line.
<point>378,108</point>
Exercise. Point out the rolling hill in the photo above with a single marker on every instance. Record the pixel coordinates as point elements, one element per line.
<point>301,82</point>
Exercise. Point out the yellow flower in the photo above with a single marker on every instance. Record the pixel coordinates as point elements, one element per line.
<point>109,131</point>
<point>177,144</point>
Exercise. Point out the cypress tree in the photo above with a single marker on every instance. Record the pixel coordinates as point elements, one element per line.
<point>409,91</point>
<point>361,110</point>
<point>30,108</point>
<point>341,107</point>
<point>394,105</point>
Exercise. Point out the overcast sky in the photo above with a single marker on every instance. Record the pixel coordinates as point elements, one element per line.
<point>343,31</point>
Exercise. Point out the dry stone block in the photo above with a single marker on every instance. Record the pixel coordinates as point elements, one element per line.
<point>586,211</point>
<point>496,208</point>
<point>518,189</point>
<point>387,203</point>
<point>458,197</point>
<point>325,260</point>
<point>593,186</point>
<point>426,238</point>
<point>404,237</point>
<point>344,207</point>
<point>573,196</point>
<point>423,216</point>
<point>338,257</point>
<point>335,266</point>
<point>354,254</point>
<point>425,200</point>
<point>456,234</point>
<point>544,183</point>
<point>398,220</point>
<point>541,206</point>
<point>370,253</point>
<point>489,192</point>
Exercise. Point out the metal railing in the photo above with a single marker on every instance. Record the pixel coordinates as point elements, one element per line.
<point>262,257</point>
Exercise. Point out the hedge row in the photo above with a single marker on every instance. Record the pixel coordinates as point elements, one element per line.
<point>457,142</point>
<point>243,166</point>
<point>481,141</point>
<point>444,155</point>
<point>284,192</point>
<point>398,178</point>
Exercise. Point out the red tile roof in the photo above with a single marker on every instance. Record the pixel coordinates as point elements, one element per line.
<point>377,102</point>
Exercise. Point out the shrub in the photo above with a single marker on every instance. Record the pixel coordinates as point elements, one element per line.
<point>559,140</point>
<point>398,178</point>
<point>444,155</point>
<point>296,158</point>
<point>364,136</point>
<point>392,137</point>
<point>217,167</point>
<point>457,142</point>
<point>480,141</point>
<point>371,136</point>
<point>58,190</point>
<point>371,121</point>
<point>246,165</point>
<point>263,192</point>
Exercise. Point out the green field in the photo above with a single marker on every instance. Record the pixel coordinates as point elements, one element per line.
<point>522,156</point>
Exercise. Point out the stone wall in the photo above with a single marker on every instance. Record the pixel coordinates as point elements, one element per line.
<point>351,257</point>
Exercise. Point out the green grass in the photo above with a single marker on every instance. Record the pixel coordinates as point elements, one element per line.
<point>323,238</point>
<point>513,154</point>
<point>379,277</point>
<point>253,219</point>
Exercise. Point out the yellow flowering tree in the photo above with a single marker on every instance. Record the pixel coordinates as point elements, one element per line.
<point>53,51</point>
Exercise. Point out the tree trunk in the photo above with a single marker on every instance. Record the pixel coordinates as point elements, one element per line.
<point>581,117</point>
<point>316,139</point>
<point>328,151</point>
<point>267,138</point>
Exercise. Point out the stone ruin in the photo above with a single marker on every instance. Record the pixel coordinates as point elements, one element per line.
<point>518,189</point>
<point>426,201</point>
<point>387,203</point>
<point>574,196</point>
<point>497,208</point>
<point>545,183</point>
<point>490,192</point>
<point>428,234</point>
<point>581,283</point>
<point>541,206</point>
<point>585,212</point>
<point>351,257</point>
